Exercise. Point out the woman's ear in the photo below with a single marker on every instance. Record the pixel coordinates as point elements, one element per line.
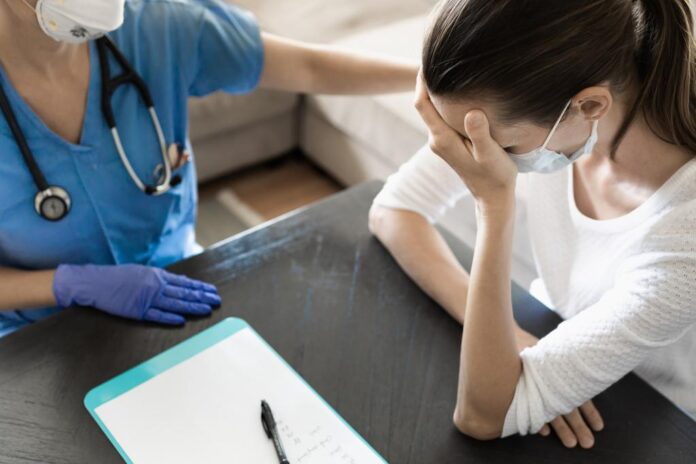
<point>593,102</point>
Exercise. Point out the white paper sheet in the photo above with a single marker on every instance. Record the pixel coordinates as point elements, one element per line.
<point>207,410</point>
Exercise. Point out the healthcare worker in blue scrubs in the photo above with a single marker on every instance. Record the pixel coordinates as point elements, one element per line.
<point>96,191</point>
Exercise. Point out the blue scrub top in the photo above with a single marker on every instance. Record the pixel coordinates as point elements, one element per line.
<point>181,48</point>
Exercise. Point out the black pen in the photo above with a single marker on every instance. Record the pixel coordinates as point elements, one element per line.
<point>269,425</point>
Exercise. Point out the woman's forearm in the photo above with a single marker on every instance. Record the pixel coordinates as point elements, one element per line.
<point>295,66</point>
<point>425,257</point>
<point>423,254</point>
<point>490,365</point>
<point>21,289</point>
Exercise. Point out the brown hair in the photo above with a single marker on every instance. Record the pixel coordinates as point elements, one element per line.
<point>532,56</point>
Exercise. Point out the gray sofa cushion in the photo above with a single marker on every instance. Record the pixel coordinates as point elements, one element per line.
<point>221,112</point>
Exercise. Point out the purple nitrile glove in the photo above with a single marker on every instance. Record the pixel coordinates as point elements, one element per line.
<point>134,291</point>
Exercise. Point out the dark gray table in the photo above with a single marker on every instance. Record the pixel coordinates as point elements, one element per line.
<point>330,299</point>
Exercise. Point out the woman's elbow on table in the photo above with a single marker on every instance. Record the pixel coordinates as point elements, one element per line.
<point>390,224</point>
<point>376,219</point>
<point>475,425</point>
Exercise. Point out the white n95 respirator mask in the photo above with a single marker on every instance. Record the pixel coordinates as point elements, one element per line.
<point>544,160</point>
<point>77,21</point>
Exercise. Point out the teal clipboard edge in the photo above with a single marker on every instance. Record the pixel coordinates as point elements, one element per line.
<point>177,354</point>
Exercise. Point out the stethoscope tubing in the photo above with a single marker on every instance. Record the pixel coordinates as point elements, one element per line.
<point>164,185</point>
<point>109,86</point>
<point>36,174</point>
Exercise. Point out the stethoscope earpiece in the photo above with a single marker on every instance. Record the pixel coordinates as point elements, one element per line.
<point>150,190</point>
<point>158,175</point>
<point>176,180</point>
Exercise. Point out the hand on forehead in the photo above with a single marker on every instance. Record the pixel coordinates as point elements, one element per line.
<point>454,112</point>
<point>449,114</point>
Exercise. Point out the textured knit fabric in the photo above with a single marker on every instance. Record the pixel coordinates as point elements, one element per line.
<point>626,287</point>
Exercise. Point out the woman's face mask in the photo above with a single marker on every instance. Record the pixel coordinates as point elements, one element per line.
<point>77,21</point>
<point>544,160</point>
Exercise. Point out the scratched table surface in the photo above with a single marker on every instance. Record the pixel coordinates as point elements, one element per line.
<point>328,297</point>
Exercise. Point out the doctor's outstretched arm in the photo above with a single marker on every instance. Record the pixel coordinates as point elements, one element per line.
<point>300,67</point>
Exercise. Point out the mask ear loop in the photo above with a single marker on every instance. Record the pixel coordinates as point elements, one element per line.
<point>555,126</point>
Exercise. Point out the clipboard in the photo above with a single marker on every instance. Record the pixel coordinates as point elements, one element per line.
<point>196,402</point>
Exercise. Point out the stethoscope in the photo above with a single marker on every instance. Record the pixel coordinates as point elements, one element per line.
<point>52,202</point>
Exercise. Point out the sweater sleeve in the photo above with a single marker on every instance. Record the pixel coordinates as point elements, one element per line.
<point>426,185</point>
<point>651,304</point>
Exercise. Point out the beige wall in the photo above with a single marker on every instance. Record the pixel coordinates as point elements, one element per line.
<point>329,20</point>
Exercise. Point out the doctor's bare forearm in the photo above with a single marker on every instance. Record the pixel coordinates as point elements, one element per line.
<point>21,289</point>
<point>423,254</point>
<point>305,68</point>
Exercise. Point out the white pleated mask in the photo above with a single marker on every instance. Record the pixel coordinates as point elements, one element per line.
<point>544,160</point>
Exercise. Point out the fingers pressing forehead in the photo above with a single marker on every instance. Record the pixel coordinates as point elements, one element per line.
<point>437,126</point>
<point>454,112</point>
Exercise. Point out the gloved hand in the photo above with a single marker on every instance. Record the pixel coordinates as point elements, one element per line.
<point>134,291</point>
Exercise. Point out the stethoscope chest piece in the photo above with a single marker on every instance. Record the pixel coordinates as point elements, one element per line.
<point>52,204</point>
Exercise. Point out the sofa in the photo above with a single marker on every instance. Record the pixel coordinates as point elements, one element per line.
<point>354,139</point>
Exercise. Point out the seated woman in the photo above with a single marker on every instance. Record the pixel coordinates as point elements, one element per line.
<point>595,99</point>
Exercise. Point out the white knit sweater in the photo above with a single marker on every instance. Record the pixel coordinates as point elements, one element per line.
<point>626,287</point>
